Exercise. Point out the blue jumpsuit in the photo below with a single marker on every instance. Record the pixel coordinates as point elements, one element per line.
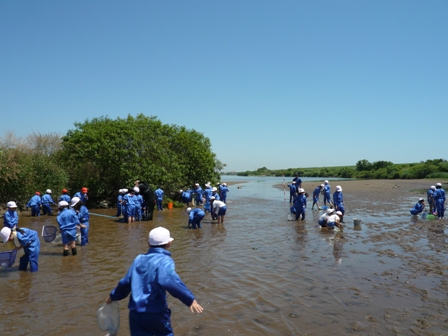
<point>224,191</point>
<point>84,218</point>
<point>65,197</point>
<point>159,198</point>
<point>34,203</point>
<point>300,206</point>
<point>67,220</point>
<point>198,195</point>
<point>316,194</point>
<point>338,201</point>
<point>47,201</point>
<point>186,196</point>
<point>327,194</point>
<point>138,207</point>
<point>82,196</point>
<point>292,191</point>
<point>31,246</point>
<point>207,194</point>
<point>148,279</point>
<point>439,199</point>
<point>130,202</point>
<point>430,196</point>
<point>11,219</point>
<point>418,207</point>
<point>119,205</point>
<point>195,217</point>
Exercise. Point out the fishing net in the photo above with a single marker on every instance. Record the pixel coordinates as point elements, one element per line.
<point>7,258</point>
<point>108,317</point>
<point>49,233</point>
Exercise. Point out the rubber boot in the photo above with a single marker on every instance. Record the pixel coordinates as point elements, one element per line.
<point>74,252</point>
<point>65,253</point>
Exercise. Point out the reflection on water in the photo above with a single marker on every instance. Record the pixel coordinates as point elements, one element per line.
<point>258,274</point>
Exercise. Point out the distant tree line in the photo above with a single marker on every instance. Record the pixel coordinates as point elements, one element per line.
<point>364,169</point>
<point>105,155</point>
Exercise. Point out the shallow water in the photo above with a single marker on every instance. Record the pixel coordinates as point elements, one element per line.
<point>258,274</point>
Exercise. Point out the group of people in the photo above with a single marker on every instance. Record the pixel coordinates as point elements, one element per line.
<point>298,197</point>
<point>36,203</point>
<point>436,201</point>
<point>73,214</point>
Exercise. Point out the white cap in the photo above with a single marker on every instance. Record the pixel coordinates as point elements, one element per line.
<point>11,204</point>
<point>208,185</point>
<point>301,190</point>
<point>212,198</point>
<point>293,181</point>
<point>62,204</point>
<point>181,191</point>
<point>214,189</point>
<point>326,181</point>
<point>197,184</point>
<point>322,185</point>
<point>433,187</point>
<point>339,213</point>
<point>159,236</point>
<point>188,209</point>
<point>330,211</point>
<point>137,189</point>
<point>48,191</point>
<point>421,199</point>
<point>5,233</point>
<point>125,190</point>
<point>120,191</point>
<point>224,184</point>
<point>439,184</point>
<point>73,201</point>
<point>338,188</point>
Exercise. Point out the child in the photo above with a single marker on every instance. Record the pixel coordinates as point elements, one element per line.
<point>195,216</point>
<point>67,220</point>
<point>65,196</point>
<point>186,196</point>
<point>34,203</point>
<point>418,207</point>
<point>218,210</point>
<point>47,202</point>
<point>224,190</point>
<point>323,219</point>
<point>159,198</point>
<point>292,191</point>
<point>83,216</point>
<point>29,241</point>
<point>11,218</point>
<point>338,202</point>
<point>300,204</point>
<point>316,194</point>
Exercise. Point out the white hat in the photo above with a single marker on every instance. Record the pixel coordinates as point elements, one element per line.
<point>224,184</point>
<point>301,190</point>
<point>439,184</point>
<point>73,201</point>
<point>181,191</point>
<point>214,189</point>
<point>11,204</point>
<point>339,213</point>
<point>48,191</point>
<point>421,199</point>
<point>120,191</point>
<point>159,236</point>
<point>322,185</point>
<point>330,211</point>
<point>5,233</point>
<point>212,198</point>
<point>62,204</point>
<point>208,185</point>
<point>188,209</point>
<point>137,189</point>
<point>125,190</point>
<point>293,181</point>
<point>338,188</point>
<point>326,181</point>
<point>197,184</point>
<point>433,187</point>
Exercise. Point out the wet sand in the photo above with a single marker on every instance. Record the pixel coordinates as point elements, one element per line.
<point>258,274</point>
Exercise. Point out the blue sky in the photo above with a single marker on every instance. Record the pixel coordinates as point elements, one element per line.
<point>279,84</point>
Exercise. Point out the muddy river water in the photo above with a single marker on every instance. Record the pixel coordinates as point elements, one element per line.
<point>257,274</point>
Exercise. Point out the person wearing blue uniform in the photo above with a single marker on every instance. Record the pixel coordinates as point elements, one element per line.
<point>300,204</point>
<point>198,191</point>
<point>298,181</point>
<point>316,194</point>
<point>219,209</point>
<point>323,219</point>
<point>338,201</point>
<point>292,191</point>
<point>83,195</point>
<point>186,196</point>
<point>430,197</point>
<point>439,200</point>
<point>418,207</point>
<point>11,217</point>
<point>84,217</point>
<point>159,198</point>
<point>119,205</point>
<point>207,193</point>
<point>67,220</point>
<point>130,201</point>
<point>29,241</point>
<point>65,196</point>
<point>195,216</point>
<point>148,279</point>
<point>327,193</point>
<point>47,202</point>
<point>138,204</point>
<point>223,191</point>
<point>34,203</point>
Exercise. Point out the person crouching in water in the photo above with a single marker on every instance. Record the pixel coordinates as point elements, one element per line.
<point>67,220</point>
<point>83,216</point>
<point>323,219</point>
<point>218,210</point>
<point>29,241</point>
<point>195,216</point>
<point>418,207</point>
<point>334,220</point>
<point>300,204</point>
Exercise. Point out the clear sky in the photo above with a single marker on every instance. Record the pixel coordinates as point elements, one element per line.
<point>279,84</point>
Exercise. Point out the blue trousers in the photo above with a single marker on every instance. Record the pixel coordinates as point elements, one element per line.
<point>150,324</point>
<point>47,209</point>
<point>440,206</point>
<point>85,234</point>
<point>35,210</point>
<point>327,198</point>
<point>159,205</point>
<point>31,257</point>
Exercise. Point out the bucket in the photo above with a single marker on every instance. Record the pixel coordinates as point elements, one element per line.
<point>170,205</point>
<point>357,221</point>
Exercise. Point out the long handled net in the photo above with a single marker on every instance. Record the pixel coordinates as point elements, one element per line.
<point>7,258</point>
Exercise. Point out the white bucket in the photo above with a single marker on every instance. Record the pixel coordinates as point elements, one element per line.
<point>357,221</point>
